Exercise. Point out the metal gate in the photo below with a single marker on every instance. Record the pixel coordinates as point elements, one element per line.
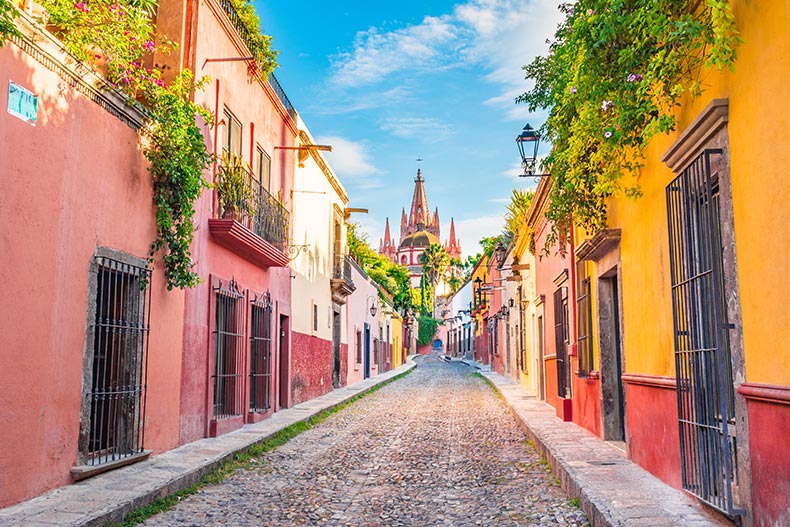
<point>261,354</point>
<point>705,393</point>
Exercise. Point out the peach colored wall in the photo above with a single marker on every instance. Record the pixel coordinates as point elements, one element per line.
<point>250,102</point>
<point>74,181</point>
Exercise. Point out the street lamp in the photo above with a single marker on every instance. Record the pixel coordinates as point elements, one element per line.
<point>479,297</point>
<point>528,141</point>
<point>501,252</point>
<point>373,306</point>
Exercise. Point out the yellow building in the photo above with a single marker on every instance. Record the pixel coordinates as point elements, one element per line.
<point>688,290</point>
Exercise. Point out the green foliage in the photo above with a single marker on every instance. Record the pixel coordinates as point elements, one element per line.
<point>435,262</point>
<point>489,243</point>
<point>427,325</point>
<point>258,43</point>
<point>392,277</point>
<point>469,264</point>
<point>7,16</point>
<point>516,213</point>
<point>178,156</point>
<point>612,78</point>
<point>118,34</point>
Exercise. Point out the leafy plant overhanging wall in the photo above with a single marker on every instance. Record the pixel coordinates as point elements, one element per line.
<point>118,38</point>
<point>613,76</point>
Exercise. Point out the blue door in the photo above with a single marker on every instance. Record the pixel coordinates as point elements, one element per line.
<point>367,350</point>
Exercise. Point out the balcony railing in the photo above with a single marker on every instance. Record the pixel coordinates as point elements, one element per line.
<point>342,268</point>
<point>275,84</point>
<point>241,28</point>
<point>270,220</point>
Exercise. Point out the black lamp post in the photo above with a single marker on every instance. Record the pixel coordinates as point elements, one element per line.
<point>528,141</point>
<point>479,297</point>
<point>500,252</point>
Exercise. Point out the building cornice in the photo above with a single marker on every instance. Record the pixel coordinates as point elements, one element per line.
<point>42,46</point>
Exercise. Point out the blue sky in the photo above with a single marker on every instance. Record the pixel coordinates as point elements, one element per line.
<point>384,82</point>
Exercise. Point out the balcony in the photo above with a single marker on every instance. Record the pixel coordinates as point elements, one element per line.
<point>260,237</point>
<point>341,282</point>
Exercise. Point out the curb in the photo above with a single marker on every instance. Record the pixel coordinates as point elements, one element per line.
<point>612,490</point>
<point>134,486</point>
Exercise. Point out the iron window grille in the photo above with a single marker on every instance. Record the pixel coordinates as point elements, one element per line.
<point>561,341</point>
<point>584,320</point>
<point>228,350</point>
<point>703,366</point>
<point>120,352</point>
<point>261,353</point>
<point>359,347</point>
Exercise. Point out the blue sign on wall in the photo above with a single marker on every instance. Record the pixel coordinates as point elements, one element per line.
<point>22,103</point>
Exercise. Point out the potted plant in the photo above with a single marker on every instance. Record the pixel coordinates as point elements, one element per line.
<point>234,192</point>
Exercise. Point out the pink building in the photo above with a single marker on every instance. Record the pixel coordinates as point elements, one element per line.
<point>363,327</point>
<point>90,360</point>
<point>237,336</point>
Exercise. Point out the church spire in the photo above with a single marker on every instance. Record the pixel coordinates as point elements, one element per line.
<point>419,213</point>
<point>453,246</point>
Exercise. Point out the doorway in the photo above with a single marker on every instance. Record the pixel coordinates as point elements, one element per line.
<point>336,380</point>
<point>612,394</point>
<point>367,350</point>
<point>284,362</point>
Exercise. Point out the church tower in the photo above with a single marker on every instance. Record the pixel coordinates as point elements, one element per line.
<point>453,245</point>
<point>418,230</point>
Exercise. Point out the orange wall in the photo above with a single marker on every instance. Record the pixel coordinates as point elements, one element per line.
<point>75,181</point>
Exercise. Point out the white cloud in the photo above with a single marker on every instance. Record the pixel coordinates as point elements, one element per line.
<point>471,230</point>
<point>362,100</point>
<point>351,161</point>
<point>425,128</point>
<point>498,36</point>
<point>376,54</point>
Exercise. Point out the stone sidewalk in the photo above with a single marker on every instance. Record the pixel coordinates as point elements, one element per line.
<point>110,496</point>
<point>612,490</point>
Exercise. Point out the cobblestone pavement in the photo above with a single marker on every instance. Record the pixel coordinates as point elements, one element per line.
<point>436,448</point>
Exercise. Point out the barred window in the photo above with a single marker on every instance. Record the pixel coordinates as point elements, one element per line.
<point>228,350</point>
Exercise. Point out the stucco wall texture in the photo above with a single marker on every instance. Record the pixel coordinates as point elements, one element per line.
<point>75,181</point>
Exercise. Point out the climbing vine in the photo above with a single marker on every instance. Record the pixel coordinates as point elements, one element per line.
<point>178,156</point>
<point>7,16</point>
<point>613,76</point>
<point>118,37</point>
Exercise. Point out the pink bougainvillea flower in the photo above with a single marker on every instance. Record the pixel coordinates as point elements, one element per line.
<point>149,45</point>
<point>573,89</point>
<point>607,134</point>
<point>159,82</point>
<point>80,6</point>
<point>634,77</point>
<point>590,12</point>
<point>606,105</point>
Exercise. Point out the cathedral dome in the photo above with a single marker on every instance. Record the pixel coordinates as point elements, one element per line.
<point>419,240</point>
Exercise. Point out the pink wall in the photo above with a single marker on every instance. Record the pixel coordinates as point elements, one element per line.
<point>75,181</point>
<point>357,314</point>
<point>264,122</point>
<point>547,268</point>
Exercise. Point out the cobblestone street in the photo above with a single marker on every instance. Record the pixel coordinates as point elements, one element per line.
<point>435,448</point>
